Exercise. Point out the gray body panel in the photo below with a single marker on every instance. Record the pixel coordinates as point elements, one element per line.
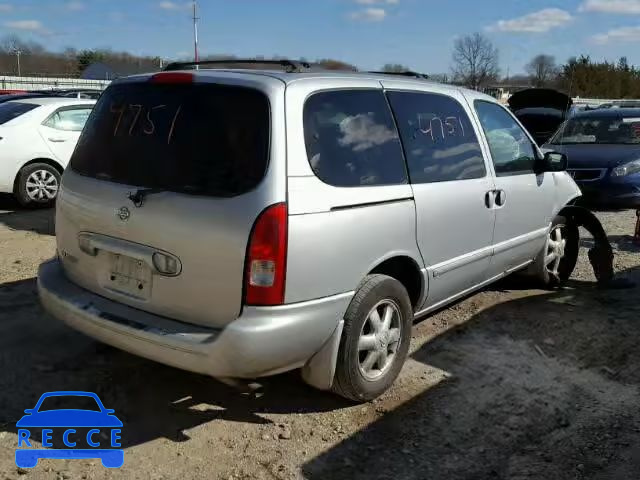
<point>338,235</point>
<point>531,203</point>
<point>454,228</point>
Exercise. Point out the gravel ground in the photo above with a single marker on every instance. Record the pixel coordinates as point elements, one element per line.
<point>510,383</point>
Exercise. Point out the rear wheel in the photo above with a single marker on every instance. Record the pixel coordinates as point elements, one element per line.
<point>37,185</point>
<point>375,339</point>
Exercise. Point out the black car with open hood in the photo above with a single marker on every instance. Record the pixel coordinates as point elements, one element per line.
<point>541,111</point>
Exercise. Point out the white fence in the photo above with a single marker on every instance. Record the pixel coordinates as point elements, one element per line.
<point>46,83</point>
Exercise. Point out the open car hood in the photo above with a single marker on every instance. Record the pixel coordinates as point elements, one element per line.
<point>540,98</point>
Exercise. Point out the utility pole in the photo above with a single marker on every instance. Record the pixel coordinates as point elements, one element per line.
<point>195,31</point>
<point>18,52</point>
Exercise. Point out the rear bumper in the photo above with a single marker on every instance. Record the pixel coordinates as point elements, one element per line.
<point>262,341</point>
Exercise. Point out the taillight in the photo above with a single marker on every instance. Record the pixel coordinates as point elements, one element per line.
<point>267,258</point>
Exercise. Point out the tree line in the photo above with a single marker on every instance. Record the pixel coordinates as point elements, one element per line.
<point>475,64</point>
<point>34,59</point>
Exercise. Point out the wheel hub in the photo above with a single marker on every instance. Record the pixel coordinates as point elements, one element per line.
<point>382,341</point>
<point>556,244</point>
<point>379,339</point>
<point>42,186</point>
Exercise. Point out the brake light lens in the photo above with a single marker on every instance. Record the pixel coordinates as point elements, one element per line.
<point>172,77</point>
<point>267,258</point>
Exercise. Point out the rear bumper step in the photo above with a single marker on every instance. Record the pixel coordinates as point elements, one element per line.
<point>262,341</point>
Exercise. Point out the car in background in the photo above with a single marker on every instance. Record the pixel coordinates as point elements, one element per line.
<point>541,111</point>
<point>626,104</point>
<point>9,97</point>
<point>92,94</point>
<point>603,151</point>
<point>83,93</point>
<point>37,137</point>
<point>617,104</point>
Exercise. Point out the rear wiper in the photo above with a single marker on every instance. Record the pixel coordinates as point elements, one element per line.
<point>138,197</point>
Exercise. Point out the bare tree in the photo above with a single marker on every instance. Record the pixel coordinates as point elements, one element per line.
<point>440,77</point>
<point>475,60</point>
<point>11,43</point>
<point>542,69</point>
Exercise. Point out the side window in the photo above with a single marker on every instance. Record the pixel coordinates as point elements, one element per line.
<point>351,139</point>
<point>69,119</point>
<point>438,137</point>
<point>512,151</point>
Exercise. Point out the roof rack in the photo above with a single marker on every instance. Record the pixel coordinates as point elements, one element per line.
<point>406,73</point>
<point>290,66</point>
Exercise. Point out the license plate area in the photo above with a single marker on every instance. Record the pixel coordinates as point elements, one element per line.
<point>128,276</point>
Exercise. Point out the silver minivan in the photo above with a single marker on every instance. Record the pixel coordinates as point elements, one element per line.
<point>241,223</point>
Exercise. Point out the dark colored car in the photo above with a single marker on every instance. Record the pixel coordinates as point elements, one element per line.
<point>541,111</point>
<point>603,150</point>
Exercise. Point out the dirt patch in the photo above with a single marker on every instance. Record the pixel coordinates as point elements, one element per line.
<point>507,384</point>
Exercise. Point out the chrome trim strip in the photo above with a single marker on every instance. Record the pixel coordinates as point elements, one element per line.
<point>602,173</point>
<point>521,240</point>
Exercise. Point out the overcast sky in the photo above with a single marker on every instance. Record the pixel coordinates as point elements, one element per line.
<point>368,33</point>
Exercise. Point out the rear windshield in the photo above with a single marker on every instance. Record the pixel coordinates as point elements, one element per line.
<point>599,130</point>
<point>198,139</point>
<point>11,110</point>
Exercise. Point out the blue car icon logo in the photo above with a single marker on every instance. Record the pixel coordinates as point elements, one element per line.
<point>96,427</point>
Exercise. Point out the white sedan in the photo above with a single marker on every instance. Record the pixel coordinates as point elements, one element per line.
<point>37,138</point>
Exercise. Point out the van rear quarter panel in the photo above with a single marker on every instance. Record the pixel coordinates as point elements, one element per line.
<point>331,251</point>
<point>338,235</point>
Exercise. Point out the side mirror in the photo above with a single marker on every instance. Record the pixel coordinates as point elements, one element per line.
<point>29,411</point>
<point>553,162</point>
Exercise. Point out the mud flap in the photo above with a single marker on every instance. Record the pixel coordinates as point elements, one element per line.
<point>320,369</point>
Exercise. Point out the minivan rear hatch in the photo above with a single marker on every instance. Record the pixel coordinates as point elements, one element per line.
<point>163,189</point>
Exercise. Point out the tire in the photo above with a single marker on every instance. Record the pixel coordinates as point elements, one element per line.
<point>555,274</point>
<point>46,180</point>
<point>356,377</point>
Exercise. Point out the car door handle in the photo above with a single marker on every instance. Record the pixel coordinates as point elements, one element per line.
<point>500,197</point>
<point>57,140</point>
<point>495,199</point>
<point>489,199</point>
